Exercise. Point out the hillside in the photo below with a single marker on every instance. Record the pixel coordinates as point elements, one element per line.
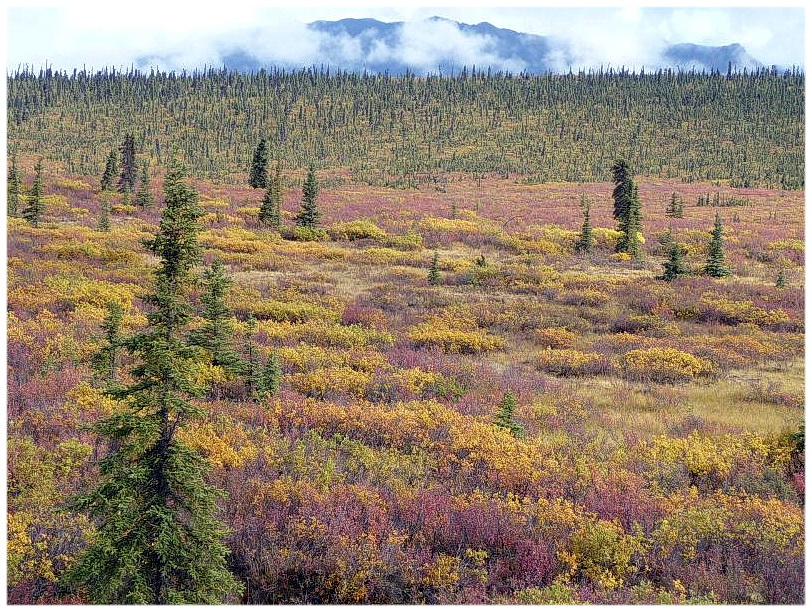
<point>657,457</point>
<point>742,130</point>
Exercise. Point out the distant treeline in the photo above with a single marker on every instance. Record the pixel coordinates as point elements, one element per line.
<point>743,128</point>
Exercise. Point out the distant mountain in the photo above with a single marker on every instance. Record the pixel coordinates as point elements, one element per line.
<point>700,57</point>
<point>439,45</point>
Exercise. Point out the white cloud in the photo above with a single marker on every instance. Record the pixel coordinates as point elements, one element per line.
<point>176,37</point>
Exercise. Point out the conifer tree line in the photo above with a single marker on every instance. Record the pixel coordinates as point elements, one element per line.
<point>407,130</point>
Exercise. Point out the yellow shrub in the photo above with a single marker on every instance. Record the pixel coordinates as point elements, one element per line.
<point>666,365</point>
<point>454,333</point>
<point>295,312</point>
<point>225,445</point>
<point>734,312</point>
<point>568,362</point>
<point>602,551</point>
<point>410,241</point>
<point>383,256</point>
<point>356,230</point>
<point>75,184</point>
<point>606,238</point>
<point>318,383</point>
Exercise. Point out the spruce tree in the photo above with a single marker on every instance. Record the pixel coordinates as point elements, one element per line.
<point>627,210</point>
<point>33,212</point>
<point>715,265</point>
<point>144,197</point>
<point>157,538</point>
<point>309,214</point>
<point>781,281</point>
<point>586,240</point>
<point>126,180</point>
<point>14,188</point>
<point>674,208</point>
<point>270,212</point>
<point>434,270</point>
<point>104,214</point>
<point>258,175</point>
<point>110,171</point>
<point>674,267</point>
<point>505,415</point>
<point>632,226</point>
<point>271,376</point>
<point>216,335</point>
<point>105,359</point>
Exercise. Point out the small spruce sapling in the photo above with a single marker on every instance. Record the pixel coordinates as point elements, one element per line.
<point>505,415</point>
<point>33,212</point>
<point>586,239</point>
<point>434,270</point>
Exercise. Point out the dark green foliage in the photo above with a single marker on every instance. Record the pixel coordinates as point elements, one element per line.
<point>270,210</point>
<point>627,210</point>
<point>144,197</point>
<point>674,267</point>
<point>505,415</point>
<point>104,214</point>
<point>622,193</point>
<point>258,175</point>
<point>715,265</point>
<point>309,214</point>
<point>216,335</point>
<point>14,188</point>
<point>110,171</point>
<point>105,359</point>
<point>158,539</point>
<point>586,240</point>
<point>126,180</point>
<point>480,261</point>
<point>781,281</point>
<point>674,208</point>
<point>33,212</point>
<point>434,270</point>
<point>271,376</point>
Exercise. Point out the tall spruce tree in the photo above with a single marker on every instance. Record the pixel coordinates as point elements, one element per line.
<point>258,175</point>
<point>157,541</point>
<point>144,197</point>
<point>586,239</point>
<point>674,208</point>
<point>126,180</point>
<point>36,206</point>
<point>270,212</point>
<point>631,226</point>
<point>14,188</point>
<point>624,195</point>
<point>110,172</point>
<point>715,264</point>
<point>309,214</point>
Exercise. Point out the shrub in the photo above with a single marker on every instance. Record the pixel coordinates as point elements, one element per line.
<point>303,233</point>
<point>454,332</point>
<point>665,365</point>
<point>325,381</point>
<point>554,337</point>
<point>356,230</point>
<point>570,362</point>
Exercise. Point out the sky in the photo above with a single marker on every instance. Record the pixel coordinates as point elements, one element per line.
<point>176,36</point>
